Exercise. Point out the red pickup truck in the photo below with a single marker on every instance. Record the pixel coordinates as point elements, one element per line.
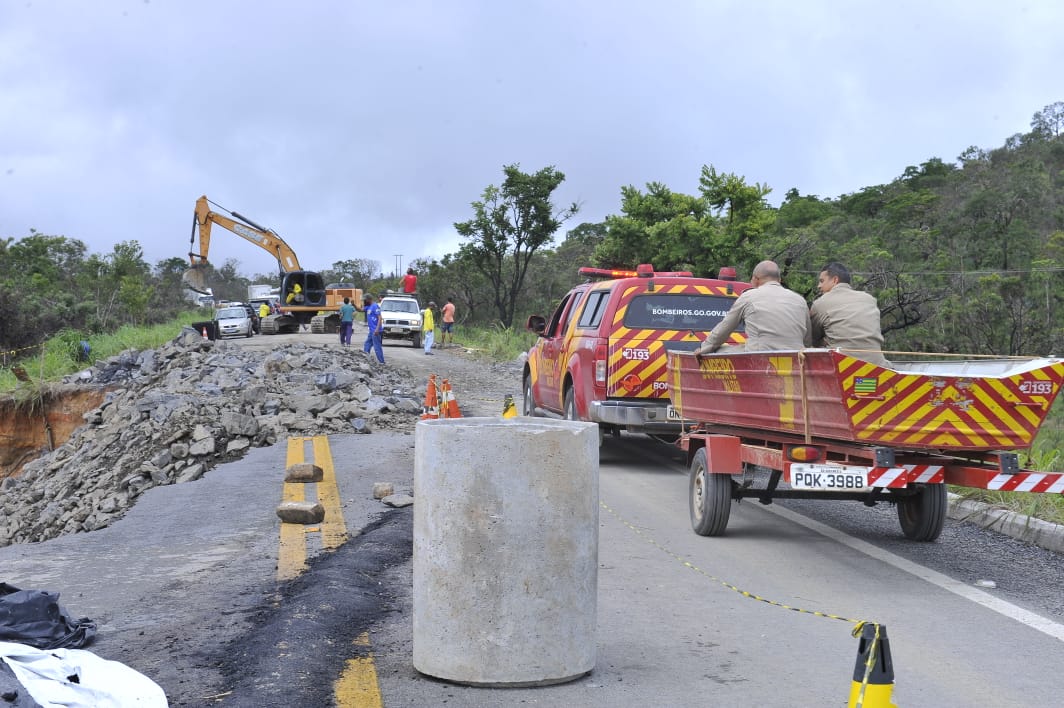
<point>602,355</point>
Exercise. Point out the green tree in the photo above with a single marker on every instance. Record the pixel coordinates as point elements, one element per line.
<point>510,223</point>
<point>359,271</point>
<point>659,226</point>
<point>1049,122</point>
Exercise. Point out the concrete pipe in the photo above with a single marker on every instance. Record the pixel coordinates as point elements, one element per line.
<point>505,550</point>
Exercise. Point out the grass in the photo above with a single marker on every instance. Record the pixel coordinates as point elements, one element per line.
<point>1045,456</point>
<point>495,343</point>
<point>56,360</point>
<point>56,357</point>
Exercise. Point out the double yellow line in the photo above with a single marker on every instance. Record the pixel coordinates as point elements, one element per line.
<point>357,686</point>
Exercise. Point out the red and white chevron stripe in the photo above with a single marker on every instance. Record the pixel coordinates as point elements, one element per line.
<point>1028,482</point>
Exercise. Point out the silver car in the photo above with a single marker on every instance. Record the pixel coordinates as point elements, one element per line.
<point>233,322</point>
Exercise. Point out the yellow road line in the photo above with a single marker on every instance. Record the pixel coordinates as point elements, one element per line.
<point>357,686</point>
<point>333,528</point>
<point>292,554</point>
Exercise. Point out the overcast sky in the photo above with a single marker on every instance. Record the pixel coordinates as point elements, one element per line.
<point>364,129</point>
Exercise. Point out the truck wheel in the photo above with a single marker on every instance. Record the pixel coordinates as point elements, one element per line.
<point>710,498</point>
<point>416,340</point>
<point>570,405</point>
<point>923,514</point>
<point>528,404</point>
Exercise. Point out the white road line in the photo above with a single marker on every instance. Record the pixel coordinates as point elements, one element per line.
<point>1032,620</point>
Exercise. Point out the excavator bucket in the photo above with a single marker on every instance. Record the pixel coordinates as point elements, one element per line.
<point>195,278</point>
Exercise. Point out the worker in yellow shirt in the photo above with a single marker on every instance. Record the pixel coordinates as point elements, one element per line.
<point>428,327</point>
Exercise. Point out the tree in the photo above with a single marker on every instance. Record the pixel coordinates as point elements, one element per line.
<point>509,224</point>
<point>359,271</point>
<point>1049,122</point>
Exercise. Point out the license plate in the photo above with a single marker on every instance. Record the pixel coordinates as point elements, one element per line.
<point>397,330</point>
<point>831,478</point>
<point>671,413</point>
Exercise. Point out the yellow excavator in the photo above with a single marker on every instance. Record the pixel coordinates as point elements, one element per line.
<point>304,297</point>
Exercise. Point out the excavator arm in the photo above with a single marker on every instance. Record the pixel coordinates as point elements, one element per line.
<point>267,239</point>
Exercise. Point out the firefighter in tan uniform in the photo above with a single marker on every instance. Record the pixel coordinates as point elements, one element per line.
<point>776,318</point>
<point>846,319</point>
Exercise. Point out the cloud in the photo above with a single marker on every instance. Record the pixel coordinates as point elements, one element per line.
<point>362,130</point>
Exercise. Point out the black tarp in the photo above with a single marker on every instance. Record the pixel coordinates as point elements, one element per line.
<point>35,618</point>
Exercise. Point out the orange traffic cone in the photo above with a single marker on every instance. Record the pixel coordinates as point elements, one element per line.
<point>205,333</point>
<point>431,409</point>
<point>449,406</point>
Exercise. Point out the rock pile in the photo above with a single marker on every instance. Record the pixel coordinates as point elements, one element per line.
<point>184,408</point>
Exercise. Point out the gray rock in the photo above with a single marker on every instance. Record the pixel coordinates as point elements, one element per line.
<point>301,512</point>
<point>239,424</point>
<point>383,489</point>
<point>202,446</point>
<point>303,472</point>
<point>398,500</point>
<point>237,445</point>
<point>170,413</point>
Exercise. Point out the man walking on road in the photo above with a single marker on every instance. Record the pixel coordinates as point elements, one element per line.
<point>347,322</point>
<point>376,328</point>
<point>776,318</point>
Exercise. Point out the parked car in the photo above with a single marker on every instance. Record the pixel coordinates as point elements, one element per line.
<point>401,315</point>
<point>233,321</point>
<point>253,313</point>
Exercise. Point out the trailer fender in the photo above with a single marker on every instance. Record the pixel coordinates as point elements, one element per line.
<point>723,452</point>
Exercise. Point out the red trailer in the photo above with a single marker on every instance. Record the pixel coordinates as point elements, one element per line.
<point>827,425</point>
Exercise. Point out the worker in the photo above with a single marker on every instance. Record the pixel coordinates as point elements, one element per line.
<point>376,328</point>
<point>428,326</point>
<point>410,281</point>
<point>296,294</point>
<point>846,319</point>
<point>775,318</point>
<point>264,310</point>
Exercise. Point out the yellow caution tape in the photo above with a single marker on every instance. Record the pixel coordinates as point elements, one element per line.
<point>863,692</point>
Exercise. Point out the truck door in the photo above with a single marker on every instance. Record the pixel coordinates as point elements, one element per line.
<point>555,352</point>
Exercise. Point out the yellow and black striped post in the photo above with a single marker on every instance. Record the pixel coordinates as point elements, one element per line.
<point>873,675</point>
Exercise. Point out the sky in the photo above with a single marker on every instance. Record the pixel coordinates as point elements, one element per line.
<point>360,129</point>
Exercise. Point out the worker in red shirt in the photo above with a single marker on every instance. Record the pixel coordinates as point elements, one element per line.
<point>410,281</point>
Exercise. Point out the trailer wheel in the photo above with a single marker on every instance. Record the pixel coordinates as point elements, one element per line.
<point>923,514</point>
<point>710,498</point>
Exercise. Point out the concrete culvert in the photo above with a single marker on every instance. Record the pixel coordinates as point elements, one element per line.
<point>505,550</point>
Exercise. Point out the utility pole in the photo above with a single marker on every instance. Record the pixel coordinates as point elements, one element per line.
<point>398,265</point>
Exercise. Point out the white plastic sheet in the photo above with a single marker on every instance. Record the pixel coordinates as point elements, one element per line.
<point>101,683</point>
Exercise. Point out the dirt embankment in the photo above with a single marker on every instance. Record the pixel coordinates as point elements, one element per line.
<point>26,432</point>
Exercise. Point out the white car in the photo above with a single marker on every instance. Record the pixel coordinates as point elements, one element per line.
<point>401,318</point>
<point>233,322</point>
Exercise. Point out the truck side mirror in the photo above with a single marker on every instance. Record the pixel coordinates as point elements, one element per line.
<point>537,324</point>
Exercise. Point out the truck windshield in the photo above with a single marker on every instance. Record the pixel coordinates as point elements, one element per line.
<point>677,311</point>
<point>400,306</point>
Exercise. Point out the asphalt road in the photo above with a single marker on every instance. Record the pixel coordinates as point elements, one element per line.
<point>185,589</point>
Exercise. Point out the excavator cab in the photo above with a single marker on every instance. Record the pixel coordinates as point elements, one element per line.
<point>302,289</point>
